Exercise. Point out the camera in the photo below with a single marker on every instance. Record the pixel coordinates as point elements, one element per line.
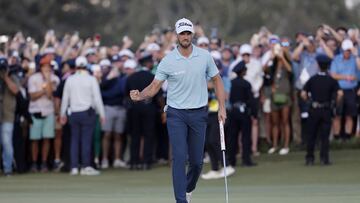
<point>3,65</point>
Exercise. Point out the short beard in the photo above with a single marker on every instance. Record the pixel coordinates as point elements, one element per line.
<point>184,46</point>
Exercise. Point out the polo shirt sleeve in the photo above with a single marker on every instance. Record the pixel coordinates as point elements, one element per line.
<point>211,69</point>
<point>160,71</point>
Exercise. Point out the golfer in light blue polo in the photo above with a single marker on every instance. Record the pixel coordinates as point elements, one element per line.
<point>187,69</point>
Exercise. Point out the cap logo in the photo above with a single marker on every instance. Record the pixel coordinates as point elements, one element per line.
<point>184,24</point>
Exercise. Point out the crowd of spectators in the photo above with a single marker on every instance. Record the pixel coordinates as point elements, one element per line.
<point>33,76</point>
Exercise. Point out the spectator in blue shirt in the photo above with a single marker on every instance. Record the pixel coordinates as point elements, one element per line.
<point>344,69</point>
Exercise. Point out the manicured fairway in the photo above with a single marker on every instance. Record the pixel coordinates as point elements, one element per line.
<point>277,179</point>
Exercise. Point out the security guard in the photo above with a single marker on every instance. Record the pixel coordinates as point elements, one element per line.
<point>143,116</point>
<point>321,89</point>
<point>242,101</point>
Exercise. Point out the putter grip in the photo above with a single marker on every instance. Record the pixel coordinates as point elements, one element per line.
<point>222,136</point>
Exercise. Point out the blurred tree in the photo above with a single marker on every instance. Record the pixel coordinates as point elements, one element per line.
<point>235,20</point>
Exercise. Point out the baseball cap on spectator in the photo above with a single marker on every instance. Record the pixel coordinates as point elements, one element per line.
<point>105,62</point>
<point>152,47</point>
<point>323,60</point>
<point>126,52</point>
<point>81,61</point>
<point>202,40</point>
<point>115,58</point>
<point>245,49</point>
<point>183,25</point>
<point>240,67</point>
<point>216,55</point>
<point>274,39</point>
<point>347,44</point>
<point>145,57</point>
<point>46,60</point>
<point>130,63</point>
<point>90,51</point>
<point>49,50</point>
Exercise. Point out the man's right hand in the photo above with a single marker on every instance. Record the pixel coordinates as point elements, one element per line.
<point>135,95</point>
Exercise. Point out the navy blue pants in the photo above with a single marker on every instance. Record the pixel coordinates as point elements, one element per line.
<point>82,130</point>
<point>187,129</point>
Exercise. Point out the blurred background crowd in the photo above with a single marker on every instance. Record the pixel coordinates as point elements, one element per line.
<point>25,63</point>
<point>33,71</point>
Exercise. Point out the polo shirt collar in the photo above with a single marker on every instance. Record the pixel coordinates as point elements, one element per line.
<point>194,53</point>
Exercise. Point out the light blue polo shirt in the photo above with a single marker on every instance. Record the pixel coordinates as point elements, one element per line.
<point>345,67</point>
<point>187,77</point>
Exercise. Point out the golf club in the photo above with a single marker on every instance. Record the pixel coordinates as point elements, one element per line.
<point>223,149</point>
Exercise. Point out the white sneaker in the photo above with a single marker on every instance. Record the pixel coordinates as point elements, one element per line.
<point>105,164</point>
<point>272,150</point>
<point>120,164</point>
<point>211,175</point>
<point>89,171</point>
<point>74,172</point>
<point>229,171</point>
<point>284,151</point>
<point>188,197</point>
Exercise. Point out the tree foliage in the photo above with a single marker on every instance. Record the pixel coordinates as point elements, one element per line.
<point>235,20</point>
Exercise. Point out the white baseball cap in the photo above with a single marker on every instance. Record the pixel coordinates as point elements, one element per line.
<point>183,25</point>
<point>81,61</point>
<point>153,47</point>
<point>130,63</point>
<point>202,40</point>
<point>347,45</point>
<point>90,51</point>
<point>105,62</point>
<point>245,49</point>
<point>216,55</point>
<point>126,52</point>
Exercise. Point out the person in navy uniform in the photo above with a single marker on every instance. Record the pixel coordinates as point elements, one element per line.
<point>242,102</point>
<point>322,90</point>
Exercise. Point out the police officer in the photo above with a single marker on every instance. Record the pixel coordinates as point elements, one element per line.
<point>321,90</point>
<point>242,101</point>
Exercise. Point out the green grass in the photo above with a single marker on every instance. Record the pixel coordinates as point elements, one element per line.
<point>276,179</point>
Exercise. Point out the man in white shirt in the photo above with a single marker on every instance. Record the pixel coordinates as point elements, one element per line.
<point>81,98</point>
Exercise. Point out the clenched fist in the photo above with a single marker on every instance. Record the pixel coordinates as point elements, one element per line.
<point>135,95</point>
